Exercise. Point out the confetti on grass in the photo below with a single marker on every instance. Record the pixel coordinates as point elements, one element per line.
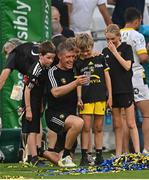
<point>115,164</point>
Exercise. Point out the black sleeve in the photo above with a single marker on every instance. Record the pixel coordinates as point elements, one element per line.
<point>33,74</point>
<point>53,79</point>
<point>104,52</point>
<point>128,53</point>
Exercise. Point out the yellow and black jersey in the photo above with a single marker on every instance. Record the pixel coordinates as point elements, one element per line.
<point>96,90</point>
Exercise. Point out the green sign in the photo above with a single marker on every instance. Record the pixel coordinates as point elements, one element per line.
<point>28,20</point>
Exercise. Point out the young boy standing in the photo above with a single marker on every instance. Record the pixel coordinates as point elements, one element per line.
<point>33,96</point>
<point>92,97</point>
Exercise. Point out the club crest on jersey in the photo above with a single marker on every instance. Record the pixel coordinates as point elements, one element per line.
<point>63,81</point>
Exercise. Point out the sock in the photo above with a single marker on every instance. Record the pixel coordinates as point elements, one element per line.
<point>66,152</point>
<point>84,152</point>
<point>98,152</point>
<point>40,151</point>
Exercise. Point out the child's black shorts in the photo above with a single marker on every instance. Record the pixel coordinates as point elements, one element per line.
<point>34,125</point>
<point>124,100</point>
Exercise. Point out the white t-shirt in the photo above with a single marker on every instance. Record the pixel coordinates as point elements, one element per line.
<point>82,12</point>
<point>137,41</point>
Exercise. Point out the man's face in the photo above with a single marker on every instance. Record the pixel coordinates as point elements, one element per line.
<point>55,16</point>
<point>47,59</point>
<point>66,59</point>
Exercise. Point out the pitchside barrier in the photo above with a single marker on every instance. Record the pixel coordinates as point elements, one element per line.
<point>10,142</point>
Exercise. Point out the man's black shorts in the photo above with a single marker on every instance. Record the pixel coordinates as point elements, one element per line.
<point>123,100</point>
<point>55,120</point>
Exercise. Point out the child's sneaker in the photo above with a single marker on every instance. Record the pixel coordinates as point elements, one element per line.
<point>84,161</point>
<point>66,162</point>
<point>90,159</point>
<point>99,160</point>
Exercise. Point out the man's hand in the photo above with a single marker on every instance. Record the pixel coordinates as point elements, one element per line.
<point>82,80</point>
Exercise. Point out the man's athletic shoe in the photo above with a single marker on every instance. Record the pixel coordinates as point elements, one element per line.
<point>66,162</point>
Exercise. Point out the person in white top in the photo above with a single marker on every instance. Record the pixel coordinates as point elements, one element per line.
<point>81,12</point>
<point>141,91</point>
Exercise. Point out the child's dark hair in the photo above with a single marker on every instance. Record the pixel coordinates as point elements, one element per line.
<point>132,14</point>
<point>46,47</point>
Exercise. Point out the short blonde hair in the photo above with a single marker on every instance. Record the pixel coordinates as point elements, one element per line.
<point>84,41</point>
<point>114,29</point>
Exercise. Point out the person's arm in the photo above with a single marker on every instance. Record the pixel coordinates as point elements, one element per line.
<point>65,89</point>
<point>125,63</point>
<point>33,74</point>
<point>105,14</point>
<point>69,5</point>
<point>109,88</point>
<point>3,77</point>
<point>28,104</point>
<point>79,95</point>
<point>143,57</point>
<point>141,48</point>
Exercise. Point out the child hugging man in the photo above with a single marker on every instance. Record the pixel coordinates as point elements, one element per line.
<point>92,97</point>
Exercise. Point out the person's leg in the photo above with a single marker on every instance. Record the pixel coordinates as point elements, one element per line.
<point>143,106</point>
<point>131,123</point>
<point>98,137</point>
<point>90,145</point>
<point>73,126</point>
<point>98,131</point>
<point>126,134</point>
<point>117,124</point>
<point>52,138</point>
<point>85,139</point>
<point>39,136</point>
<point>31,141</point>
<point>90,148</point>
<point>52,156</point>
